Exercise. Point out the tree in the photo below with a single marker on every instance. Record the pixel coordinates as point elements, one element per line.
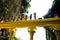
<point>1,8</point>
<point>4,8</point>
<point>54,10</point>
<point>9,8</point>
<point>25,5</point>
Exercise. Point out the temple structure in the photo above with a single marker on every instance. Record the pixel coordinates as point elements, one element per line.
<point>48,22</point>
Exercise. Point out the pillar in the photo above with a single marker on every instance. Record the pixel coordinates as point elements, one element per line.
<point>31,31</point>
<point>57,32</point>
<point>10,34</point>
<point>31,34</point>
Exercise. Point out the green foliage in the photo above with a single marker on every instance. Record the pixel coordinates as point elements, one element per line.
<point>6,7</point>
<point>14,38</point>
<point>1,6</point>
<point>25,4</point>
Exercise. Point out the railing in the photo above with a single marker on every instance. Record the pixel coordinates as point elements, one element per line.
<point>31,24</point>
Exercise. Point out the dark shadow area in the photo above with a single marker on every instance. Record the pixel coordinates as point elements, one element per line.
<point>4,34</point>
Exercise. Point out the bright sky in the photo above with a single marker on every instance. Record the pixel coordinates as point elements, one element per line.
<point>23,34</point>
<point>41,7</point>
